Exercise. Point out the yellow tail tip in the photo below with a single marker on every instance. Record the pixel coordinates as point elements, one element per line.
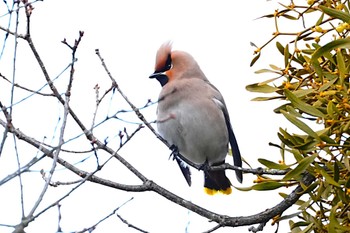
<point>213,191</point>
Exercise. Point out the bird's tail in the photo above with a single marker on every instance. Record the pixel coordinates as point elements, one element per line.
<point>216,181</point>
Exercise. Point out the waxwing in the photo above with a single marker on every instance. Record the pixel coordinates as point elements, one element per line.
<point>192,116</point>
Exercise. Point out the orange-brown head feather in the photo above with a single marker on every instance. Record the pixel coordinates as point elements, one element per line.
<point>174,65</point>
<point>162,56</point>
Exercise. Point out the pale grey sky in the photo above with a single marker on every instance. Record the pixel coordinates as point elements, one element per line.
<point>128,34</point>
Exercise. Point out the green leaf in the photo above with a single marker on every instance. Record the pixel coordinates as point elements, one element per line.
<point>261,71</point>
<point>289,17</point>
<point>302,166</point>
<point>292,111</point>
<point>308,146</point>
<point>289,216</point>
<point>300,224</point>
<point>298,103</point>
<point>272,165</point>
<point>336,172</point>
<point>319,21</point>
<point>266,98</point>
<point>288,139</point>
<point>347,184</point>
<point>317,68</point>
<point>327,177</point>
<point>323,134</point>
<point>255,59</point>
<point>269,185</point>
<point>334,225</point>
<point>286,55</point>
<point>285,52</point>
<point>341,66</point>
<point>332,109</point>
<point>275,67</point>
<point>269,80</point>
<point>257,87</point>
<point>340,43</point>
<point>345,17</point>
<point>296,153</point>
<point>303,92</point>
<point>244,189</point>
<point>328,84</point>
<point>311,187</point>
<point>294,228</point>
<point>280,47</point>
<point>298,202</point>
<point>347,165</point>
<point>308,229</point>
<point>301,125</point>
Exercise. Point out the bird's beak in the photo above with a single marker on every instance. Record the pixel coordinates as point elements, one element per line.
<point>156,75</point>
<point>161,77</point>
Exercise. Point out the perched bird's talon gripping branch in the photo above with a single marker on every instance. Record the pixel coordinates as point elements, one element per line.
<point>201,131</point>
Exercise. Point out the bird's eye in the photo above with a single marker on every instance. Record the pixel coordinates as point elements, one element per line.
<point>168,63</point>
<point>166,67</point>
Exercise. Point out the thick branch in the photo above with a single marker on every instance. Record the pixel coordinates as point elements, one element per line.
<point>149,185</point>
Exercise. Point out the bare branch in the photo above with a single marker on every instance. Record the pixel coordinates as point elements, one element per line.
<point>8,124</point>
<point>131,225</point>
<point>106,217</point>
<point>149,185</point>
<point>25,88</point>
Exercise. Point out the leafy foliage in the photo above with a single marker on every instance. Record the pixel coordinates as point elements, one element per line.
<point>314,82</point>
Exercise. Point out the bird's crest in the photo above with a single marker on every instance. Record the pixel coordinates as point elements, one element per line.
<point>162,55</point>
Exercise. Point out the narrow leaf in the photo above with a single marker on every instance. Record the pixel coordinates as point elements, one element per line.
<point>255,59</point>
<point>286,55</point>
<point>341,66</point>
<point>266,98</point>
<point>294,228</point>
<point>261,71</point>
<point>328,178</point>
<point>328,84</point>
<point>319,21</point>
<point>308,228</point>
<point>303,92</point>
<point>301,125</point>
<point>301,105</point>
<point>345,17</point>
<point>269,80</point>
<point>280,47</point>
<point>272,165</point>
<point>269,185</point>
<point>289,17</point>
<point>244,189</point>
<point>340,43</point>
<point>317,68</point>
<point>256,87</point>
<point>302,166</point>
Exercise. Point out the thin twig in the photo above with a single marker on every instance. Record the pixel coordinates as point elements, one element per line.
<point>93,227</point>
<point>23,169</point>
<point>25,88</point>
<point>59,229</point>
<point>9,122</point>
<point>213,229</point>
<point>151,186</point>
<point>131,225</point>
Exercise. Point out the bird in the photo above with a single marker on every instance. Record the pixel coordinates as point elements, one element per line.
<point>192,117</point>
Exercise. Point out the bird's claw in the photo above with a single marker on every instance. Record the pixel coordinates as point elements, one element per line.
<point>174,151</point>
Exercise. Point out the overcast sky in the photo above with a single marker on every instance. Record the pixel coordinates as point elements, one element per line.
<point>128,34</point>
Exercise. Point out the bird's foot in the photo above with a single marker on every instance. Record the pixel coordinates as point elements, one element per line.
<point>204,167</point>
<point>174,152</point>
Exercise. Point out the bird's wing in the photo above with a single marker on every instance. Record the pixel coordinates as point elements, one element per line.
<point>237,160</point>
<point>185,169</point>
